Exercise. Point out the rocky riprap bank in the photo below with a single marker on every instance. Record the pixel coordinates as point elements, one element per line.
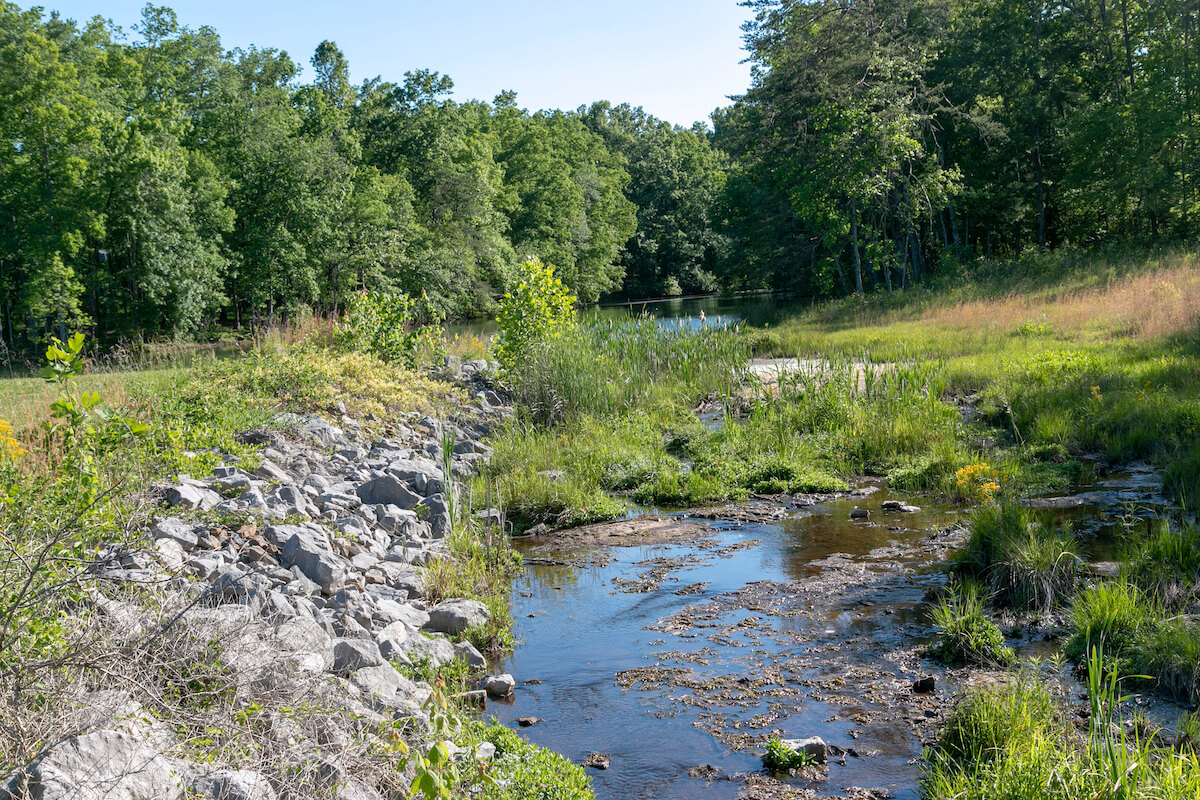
<point>274,643</point>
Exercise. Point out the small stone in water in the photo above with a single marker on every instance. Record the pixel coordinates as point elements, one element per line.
<point>528,722</point>
<point>925,685</point>
<point>598,761</point>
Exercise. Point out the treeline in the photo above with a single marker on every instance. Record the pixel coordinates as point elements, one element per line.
<point>159,185</point>
<point>156,184</point>
<point>881,136</point>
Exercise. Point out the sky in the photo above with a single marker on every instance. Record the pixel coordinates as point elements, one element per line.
<point>679,59</point>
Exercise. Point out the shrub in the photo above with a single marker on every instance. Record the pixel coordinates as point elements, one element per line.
<point>537,309</point>
<point>393,327</point>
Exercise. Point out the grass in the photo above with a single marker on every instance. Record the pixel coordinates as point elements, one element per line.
<point>965,635</point>
<point>1028,564</point>
<point>1144,619</point>
<point>1089,353</point>
<point>1013,742</point>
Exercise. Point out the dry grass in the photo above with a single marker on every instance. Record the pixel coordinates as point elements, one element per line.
<point>25,402</point>
<point>1148,306</point>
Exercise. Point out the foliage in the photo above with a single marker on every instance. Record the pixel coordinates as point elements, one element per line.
<point>522,771</point>
<point>533,314</point>
<point>781,758</point>
<point>393,327</point>
<point>965,634</point>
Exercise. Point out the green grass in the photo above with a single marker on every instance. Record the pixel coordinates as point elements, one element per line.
<point>965,634</point>
<point>1012,742</point>
<point>1143,619</point>
<point>1092,354</point>
<point>1027,563</point>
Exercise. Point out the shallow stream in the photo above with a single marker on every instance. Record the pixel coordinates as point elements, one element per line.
<point>679,657</point>
<point>677,648</point>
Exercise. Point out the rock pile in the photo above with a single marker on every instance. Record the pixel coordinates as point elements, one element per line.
<point>302,567</point>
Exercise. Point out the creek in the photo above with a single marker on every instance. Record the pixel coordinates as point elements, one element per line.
<point>678,648</point>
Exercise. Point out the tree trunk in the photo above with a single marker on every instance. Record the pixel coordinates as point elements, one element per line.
<point>858,281</point>
<point>1128,46</point>
<point>1041,189</point>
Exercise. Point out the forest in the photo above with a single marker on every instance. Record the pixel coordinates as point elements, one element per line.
<point>160,186</point>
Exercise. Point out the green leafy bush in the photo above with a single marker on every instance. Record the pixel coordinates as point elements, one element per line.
<point>394,327</point>
<point>538,308</point>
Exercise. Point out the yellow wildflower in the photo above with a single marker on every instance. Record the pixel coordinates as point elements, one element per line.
<point>9,447</point>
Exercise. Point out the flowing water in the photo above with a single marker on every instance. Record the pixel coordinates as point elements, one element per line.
<point>676,656</point>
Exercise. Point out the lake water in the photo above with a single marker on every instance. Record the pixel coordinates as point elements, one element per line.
<point>753,309</point>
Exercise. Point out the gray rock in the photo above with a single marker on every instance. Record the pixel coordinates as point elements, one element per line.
<point>389,490</point>
<point>310,551</point>
<point>269,470</point>
<point>814,747</point>
<point>193,497</point>
<point>101,765</point>
<point>385,683</point>
<point>424,474</point>
<point>896,505</point>
<point>455,616</point>
<point>175,529</point>
<point>230,580</point>
<point>437,651</point>
<point>465,651</point>
<point>499,686</point>
<point>310,644</point>
<point>232,784</point>
<point>392,639</point>
<point>171,554</point>
<point>438,515</point>
<point>323,432</point>
<point>356,790</point>
<point>350,655</point>
<point>398,575</point>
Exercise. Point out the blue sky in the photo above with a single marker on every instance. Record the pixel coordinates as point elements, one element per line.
<point>677,58</point>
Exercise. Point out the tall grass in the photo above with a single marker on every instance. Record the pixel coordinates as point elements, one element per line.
<point>1012,742</point>
<point>1028,564</point>
<point>605,368</point>
<point>1144,619</point>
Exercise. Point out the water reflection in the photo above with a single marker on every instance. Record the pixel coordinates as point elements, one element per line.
<point>755,310</point>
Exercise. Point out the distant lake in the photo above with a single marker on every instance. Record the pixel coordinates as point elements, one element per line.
<point>753,309</point>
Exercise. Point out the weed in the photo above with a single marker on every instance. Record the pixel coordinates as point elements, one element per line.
<point>781,758</point>
<point>966,635</point>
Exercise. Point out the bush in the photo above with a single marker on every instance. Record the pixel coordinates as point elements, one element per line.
<point>393,327</point>
<point>538,309</point>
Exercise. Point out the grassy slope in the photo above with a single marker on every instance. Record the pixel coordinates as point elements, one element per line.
<point>1090,353</point>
